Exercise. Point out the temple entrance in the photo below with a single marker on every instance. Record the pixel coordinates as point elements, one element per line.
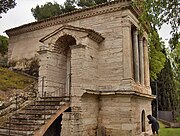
<point>62,47</point>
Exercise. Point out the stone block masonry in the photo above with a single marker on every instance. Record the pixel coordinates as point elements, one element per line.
<point>98,59</point>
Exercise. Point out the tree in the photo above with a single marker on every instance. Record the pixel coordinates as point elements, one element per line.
<point>88,3</point>
<point>47,10</point>
<point>155,13</point>
<point>5,5</point>
<point>167,91</point>
<point>158,12</point>
<point>52,9</point>
<point>156,56</point>
<point>3,45</point>
<point>69,5</point>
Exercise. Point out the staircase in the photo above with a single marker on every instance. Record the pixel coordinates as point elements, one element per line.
<point>30,119</point>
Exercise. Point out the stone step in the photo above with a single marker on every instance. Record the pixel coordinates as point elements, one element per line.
<point>41,103</point>
<point>20,127</point>
<point>29,119</point>
<point>39,112</point>
<point>40,107</point>
<point>33,118</point>
<point>7,132</point>
<point>66,98</point>
<point>23,123</point>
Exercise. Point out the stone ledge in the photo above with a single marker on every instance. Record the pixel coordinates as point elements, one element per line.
<point>119,92</point>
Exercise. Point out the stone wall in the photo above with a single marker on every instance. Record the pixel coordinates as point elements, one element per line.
<point>105,67</point>
<point>138,105</point>
<point>90,112</point>
<point>116,115</point>
<point>110,51</point>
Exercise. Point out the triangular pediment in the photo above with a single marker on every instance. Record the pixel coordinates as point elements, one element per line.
<point>90,33</point>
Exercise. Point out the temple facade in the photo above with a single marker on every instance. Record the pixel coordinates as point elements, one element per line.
<point>97,58</point>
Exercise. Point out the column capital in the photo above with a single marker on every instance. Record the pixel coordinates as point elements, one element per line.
<point>126,22</point>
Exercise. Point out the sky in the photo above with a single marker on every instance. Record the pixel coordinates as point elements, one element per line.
<point>21,14</point>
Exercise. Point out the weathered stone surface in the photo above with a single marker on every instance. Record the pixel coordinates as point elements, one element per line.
<point>88,55</point>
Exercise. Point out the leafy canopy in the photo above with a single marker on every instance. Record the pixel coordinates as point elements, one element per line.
<point>5,5</point>
<point>46,11</point>
<point>3,45</point>
<point>53,9</point>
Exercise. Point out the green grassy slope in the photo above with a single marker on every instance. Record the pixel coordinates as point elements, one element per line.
<point>168,131</point>
<point>10,80</point>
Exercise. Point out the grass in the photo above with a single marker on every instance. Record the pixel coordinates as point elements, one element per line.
<point>10,80</point>
<point>168,131</point>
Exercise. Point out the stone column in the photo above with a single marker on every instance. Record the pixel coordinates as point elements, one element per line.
<point>127,50</point>
<point>77,69</point>
<point>146,64</point>
<point>136,55</point>
<point>141,61</point>
<point>43,71</point>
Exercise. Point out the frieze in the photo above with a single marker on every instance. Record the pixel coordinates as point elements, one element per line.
<point>72,16</point>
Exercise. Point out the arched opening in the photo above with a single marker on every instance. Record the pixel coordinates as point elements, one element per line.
<point>62,47</point>
<point>55,127</point>
<point>143,121</point>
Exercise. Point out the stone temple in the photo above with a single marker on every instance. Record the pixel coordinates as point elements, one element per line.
<point>97,59</point>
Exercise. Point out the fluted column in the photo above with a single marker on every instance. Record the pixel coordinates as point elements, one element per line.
<point>136,55</point>
<point>146,64</point>
<point>141,61</point>
<point>127,50</point>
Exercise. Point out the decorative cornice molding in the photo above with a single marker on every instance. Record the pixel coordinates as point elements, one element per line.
<point>72,16</point>
<point>91,33</point>
<point>120,92</point>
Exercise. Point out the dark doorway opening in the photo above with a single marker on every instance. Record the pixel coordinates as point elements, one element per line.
<point>143,121</point>
<point>55,128</point>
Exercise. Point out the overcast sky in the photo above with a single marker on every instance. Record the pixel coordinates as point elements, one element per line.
<point>21,14</point>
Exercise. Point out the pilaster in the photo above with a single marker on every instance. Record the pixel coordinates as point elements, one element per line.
<point>141,61</point>
<point>146,64</point>
<point>136,55</point>
<point>127,50</point>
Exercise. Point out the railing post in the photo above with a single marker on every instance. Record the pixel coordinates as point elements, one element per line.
<point>16,101</point>
<point>157,100</point>
<point>44,107</point>
<point>9,126</point>
<point>42,85</point>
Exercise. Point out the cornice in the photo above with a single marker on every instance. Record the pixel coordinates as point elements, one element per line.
<point>91,33</point>
<point>120,92</point>
<point>72,16</point>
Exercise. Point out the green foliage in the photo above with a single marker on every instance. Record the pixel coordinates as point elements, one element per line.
<point>89,3</point>
<point>167,91</point>
<point>69,5</point>
<point>46,11</point>
<point>5,5</point>
<point>154,14</point>
<point>10,80</point>
<point>3,45</point>
<point>156,58</point>
<point>85,3</point>
<point>49,9</point>
<point>175,56</point>
<point>158,12</point>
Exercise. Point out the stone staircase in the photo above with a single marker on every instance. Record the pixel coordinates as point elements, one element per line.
<point>31,118</point>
